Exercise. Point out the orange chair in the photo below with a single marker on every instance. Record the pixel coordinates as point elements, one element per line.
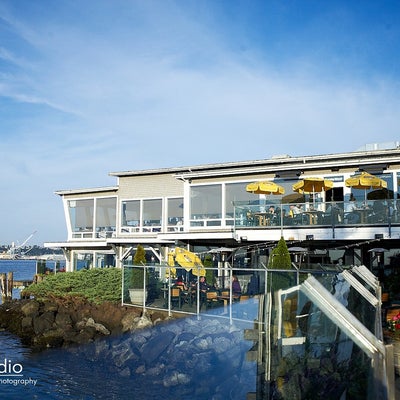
<point>176,296</point>
<point>212,299</point>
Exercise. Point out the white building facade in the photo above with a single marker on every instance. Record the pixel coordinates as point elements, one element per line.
<point>205,207</point>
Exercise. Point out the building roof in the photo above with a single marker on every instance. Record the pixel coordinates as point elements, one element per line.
<point>360,159</point>
<point>87,190</point>
<point>373,160</point>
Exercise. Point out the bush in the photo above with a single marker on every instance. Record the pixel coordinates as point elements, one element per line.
<point>96,285</point>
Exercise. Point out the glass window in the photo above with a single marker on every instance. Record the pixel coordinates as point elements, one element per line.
<point>175,211</point>
<point>104,260</point>
<point>235,192</point>
<point>83,261</point>
<point>152,212</point>
<point>206,202</point>
<point>81,215</point>
<point>106,214</point>
<point>131,213</point>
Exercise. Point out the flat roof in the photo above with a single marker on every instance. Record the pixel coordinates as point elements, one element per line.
<point>369,160</point>
<point>275,162</point>
<point>87,190</point>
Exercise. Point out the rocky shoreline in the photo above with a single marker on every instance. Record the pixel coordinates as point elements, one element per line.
<point>62,322</point>
<point>185,358</point>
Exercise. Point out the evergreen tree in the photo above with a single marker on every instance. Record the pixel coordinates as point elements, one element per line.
<point>140,256</point>
<point>280,259</point>
<point>280,256</point>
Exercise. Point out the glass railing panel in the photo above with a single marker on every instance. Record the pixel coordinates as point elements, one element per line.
<point>319,330</point>
<point>316,344</point>
<point>270,215</point>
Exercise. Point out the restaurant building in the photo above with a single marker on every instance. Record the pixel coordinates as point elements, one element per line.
<point>206,207</point>
<point>339,216</point>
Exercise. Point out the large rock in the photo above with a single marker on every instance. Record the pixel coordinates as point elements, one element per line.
<point>43,322</point>
<point>50,338</point>
<point>156,346</point>
<point>99,327</point>
<point>30,309</point>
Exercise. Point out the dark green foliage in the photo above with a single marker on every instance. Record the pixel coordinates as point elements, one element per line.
<point>97,285</point>
<point>280,256</point>
<point>280,259</point>
<point>208,263</point>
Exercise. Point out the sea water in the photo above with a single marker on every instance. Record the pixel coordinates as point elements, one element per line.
<point>78,373</point>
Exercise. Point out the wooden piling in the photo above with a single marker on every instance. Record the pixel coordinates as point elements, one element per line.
<point>6,285</point>
<point>10,284</point>
<point>3,285</point>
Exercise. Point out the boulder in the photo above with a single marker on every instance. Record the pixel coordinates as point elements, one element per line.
<point>99,327</point>
<point>31,308</point>
<point>43,322</point>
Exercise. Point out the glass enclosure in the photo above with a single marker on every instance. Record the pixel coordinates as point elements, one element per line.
<point>268,214</point>
<point>317,333</point>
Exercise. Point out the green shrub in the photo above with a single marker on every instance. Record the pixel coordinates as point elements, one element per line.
<point>280,259</point>
<point>137,274</point>
<point>96,285</point>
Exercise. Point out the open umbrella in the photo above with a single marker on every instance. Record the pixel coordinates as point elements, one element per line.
<point>312,185</point>
<point>189,261</point>
<point>365,181</point>
<point>265,187</point>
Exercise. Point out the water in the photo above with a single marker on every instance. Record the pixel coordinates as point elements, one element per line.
<point>22,270</point>
<point>99,370</point>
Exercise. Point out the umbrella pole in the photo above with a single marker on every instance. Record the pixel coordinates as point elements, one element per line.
<point>313,196</point>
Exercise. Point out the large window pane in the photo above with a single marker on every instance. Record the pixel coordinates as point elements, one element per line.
<point>235,192</point>
<point>175,214</point>
<point>206,202</point>
<point>105,212</point>
<point>81,215</point>
<point>152,212</point>
<point>106,215</point>
<point>131,213</point>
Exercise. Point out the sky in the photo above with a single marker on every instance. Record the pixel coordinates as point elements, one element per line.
<point>92,87</point>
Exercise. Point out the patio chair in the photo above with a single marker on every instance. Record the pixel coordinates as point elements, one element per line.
<point>176,296</point>
<point>212,299</point>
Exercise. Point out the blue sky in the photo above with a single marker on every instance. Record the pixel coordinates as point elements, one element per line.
<point>92,87</point>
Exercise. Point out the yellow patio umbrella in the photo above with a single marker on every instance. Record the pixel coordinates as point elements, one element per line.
<point>188,260</point>
<point>265,187</point>
<point>312,185</point>
<point>365,181</point>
